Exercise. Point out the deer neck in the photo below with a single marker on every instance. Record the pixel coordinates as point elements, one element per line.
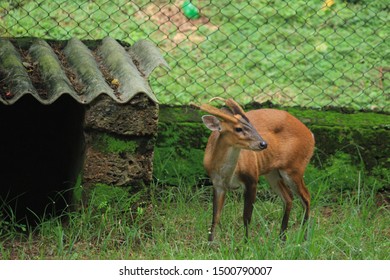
<point>223,162</point>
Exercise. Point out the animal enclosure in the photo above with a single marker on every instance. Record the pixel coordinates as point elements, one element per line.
<point>74,115</point>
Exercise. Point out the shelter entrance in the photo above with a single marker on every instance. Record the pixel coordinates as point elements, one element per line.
<point>42,152</point>
<point>73,112</point>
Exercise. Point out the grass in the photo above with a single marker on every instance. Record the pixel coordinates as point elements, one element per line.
<point>171,222</point>
<point>291,53</point>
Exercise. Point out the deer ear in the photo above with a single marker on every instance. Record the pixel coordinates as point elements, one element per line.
<point>211,122</point>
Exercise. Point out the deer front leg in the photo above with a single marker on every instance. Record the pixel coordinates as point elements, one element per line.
<point>218,202</point>
<point>249,200</point>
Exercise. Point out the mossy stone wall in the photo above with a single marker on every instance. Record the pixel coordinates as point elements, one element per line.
<point>182,139</point>
<point>120,141</point>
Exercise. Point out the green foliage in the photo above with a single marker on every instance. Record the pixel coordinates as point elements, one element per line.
<point>287,52</point>
<point>171,222</point>
<point>342,174</point>
<point>178,155</point>
<point>108,198</point>
<point>78,189</point>
<point>177,166</point>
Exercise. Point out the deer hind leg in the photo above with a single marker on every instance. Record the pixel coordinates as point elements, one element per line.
<point>296,183</point>
<point>281,188</point>
<point>218,202</point>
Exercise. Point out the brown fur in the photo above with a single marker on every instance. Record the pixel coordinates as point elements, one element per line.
<point>283,162</point>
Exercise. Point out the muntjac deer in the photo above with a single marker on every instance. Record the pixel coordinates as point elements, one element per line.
<point>236,155</point>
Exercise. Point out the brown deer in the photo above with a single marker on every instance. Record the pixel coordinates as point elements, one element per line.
<point>236,155</point>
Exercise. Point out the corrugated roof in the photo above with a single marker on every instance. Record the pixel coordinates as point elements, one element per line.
<point>49,70</point>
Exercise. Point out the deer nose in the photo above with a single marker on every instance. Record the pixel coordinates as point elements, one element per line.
<point>263,145</point>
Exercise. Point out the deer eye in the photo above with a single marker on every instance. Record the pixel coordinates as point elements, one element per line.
<point>238,129</point>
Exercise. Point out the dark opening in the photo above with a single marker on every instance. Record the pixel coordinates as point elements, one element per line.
<point>41,156</point>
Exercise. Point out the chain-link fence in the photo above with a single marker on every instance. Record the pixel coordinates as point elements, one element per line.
<point>312,53</point>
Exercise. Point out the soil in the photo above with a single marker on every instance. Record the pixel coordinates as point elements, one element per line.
<point>173,24</point>
<point>33,72</point>
<point>78,87</point>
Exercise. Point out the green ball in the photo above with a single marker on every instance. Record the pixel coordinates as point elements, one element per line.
<point>190,11</point>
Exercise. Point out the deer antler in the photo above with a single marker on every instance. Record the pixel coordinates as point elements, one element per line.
<point>237,112</point>
<point>218,113</point>
<point>217,98</point>
<point>236,108</point>
<point>215,111</point>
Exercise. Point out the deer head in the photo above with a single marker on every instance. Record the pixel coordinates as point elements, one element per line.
<point>233,125</point>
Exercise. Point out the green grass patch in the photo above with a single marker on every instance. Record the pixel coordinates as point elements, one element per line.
<point>349,220</point>
<point>291,53</point>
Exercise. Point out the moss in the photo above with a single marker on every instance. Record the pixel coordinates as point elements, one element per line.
<point>332,118</point>
<point>361,143</point>
<point>111,144</point>
<point>178,114</point>
<point>174,115</point>
<point>182,139</point>
<point>183,135</point>
<point>179,152</point>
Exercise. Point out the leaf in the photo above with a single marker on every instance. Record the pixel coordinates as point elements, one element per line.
<point>327,4</point>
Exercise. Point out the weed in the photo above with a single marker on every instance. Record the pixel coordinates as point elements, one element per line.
<point>171,222</point>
